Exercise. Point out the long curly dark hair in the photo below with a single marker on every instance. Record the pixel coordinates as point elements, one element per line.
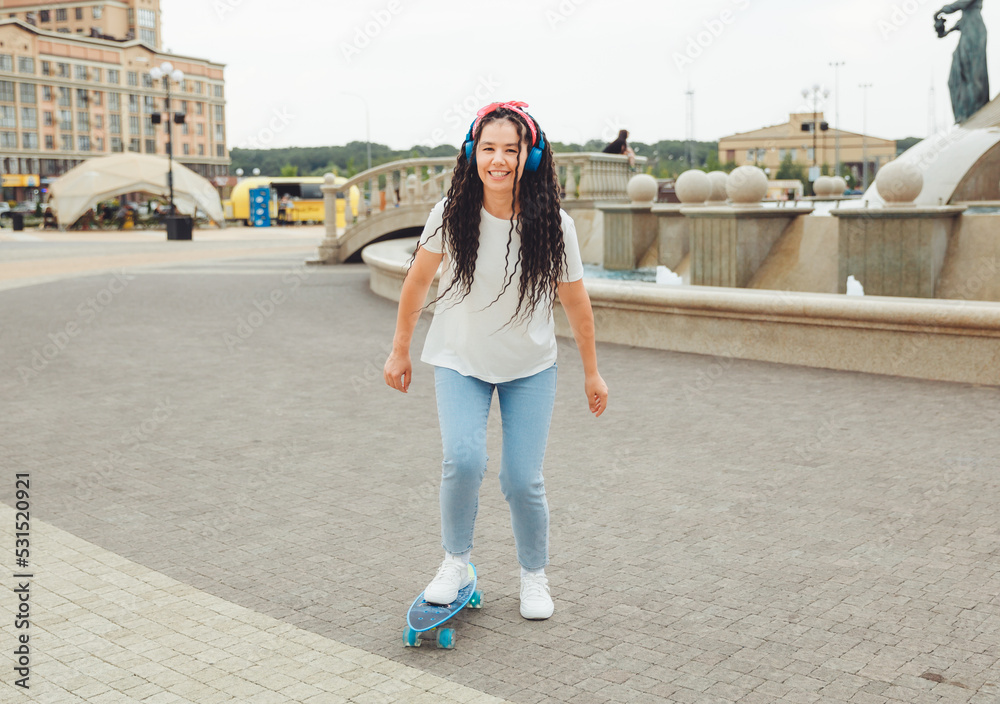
<point>541,256</point>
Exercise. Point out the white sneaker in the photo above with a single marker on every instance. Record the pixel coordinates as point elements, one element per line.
<point>536,603</point>
<point>452,575</point>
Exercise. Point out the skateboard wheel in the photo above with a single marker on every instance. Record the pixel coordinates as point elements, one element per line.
<point>411,639</point>
<point>446,638</point>
<point>476,602</point>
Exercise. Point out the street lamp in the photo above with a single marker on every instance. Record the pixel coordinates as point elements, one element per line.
<point>368,133</point>
<point>168,73</point>
<point>815,94</point>
<point>864,134</point>
<point>836,91</point>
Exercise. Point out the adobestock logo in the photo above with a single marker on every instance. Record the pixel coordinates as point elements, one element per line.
<point>698,43</point>
<point>364,34</point>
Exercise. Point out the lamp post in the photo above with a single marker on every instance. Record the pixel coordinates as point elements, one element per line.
<point>168,73</point>
<point>815,94</point>
<point>864,134</point>
<point>836,91</point>
<point>368,132</point>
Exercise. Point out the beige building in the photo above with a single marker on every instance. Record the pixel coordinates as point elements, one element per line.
<point>75,84</point>
<point>768,147</point>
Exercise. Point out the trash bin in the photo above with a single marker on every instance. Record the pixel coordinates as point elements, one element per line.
<point>179,227</point>
<point>17,221</point>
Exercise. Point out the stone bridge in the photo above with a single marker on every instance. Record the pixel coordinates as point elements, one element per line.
<point>397,198</point>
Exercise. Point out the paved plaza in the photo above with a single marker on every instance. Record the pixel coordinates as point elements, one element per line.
<point>228,505</point>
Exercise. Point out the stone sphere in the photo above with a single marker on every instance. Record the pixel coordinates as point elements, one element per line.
<point>824,186</point>
<point>747,185</point>
<point>329,178</point>
<point>899,183</point>
<point>841,185</point>
<point>642,188</point>
<point>693,187</point>
<point>718,180</point>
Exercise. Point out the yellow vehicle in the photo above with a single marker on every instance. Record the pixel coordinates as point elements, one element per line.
<point>304,202</point>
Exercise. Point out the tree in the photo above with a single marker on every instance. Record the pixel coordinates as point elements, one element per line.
<point>790,171</point>
<point>289,170</point>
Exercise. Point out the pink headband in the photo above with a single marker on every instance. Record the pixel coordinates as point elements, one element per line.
<point>514,105</point>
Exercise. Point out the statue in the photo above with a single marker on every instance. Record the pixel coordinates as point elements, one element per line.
<point>969,81</point>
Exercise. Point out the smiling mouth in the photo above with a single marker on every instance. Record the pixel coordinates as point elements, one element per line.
<point>499,174</point>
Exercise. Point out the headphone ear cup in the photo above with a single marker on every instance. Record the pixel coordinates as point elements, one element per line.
<point>533,160</point>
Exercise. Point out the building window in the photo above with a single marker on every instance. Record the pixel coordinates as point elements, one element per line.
<point>184,128</point>
<point>44,16</point>
<point>81,98</point>
<point>8,116</point>
<point>97,98</point>
<point>62,69</point>
<point>6,62</point>
<point>46,68</point>
<point>46,94</point>
<point>65,97</point>
<point>66,142</point>
<point>218,91</point>
<point>50,142</point>
<point>148,104</point>
<point>116,144</point>
<point>133,145</point>
<point>151,146</point>
<point>8,140</point>
<point>199,108</point>
<point>147,18</point>
<point>25,64</point>
<point>133,78</point>
<point>220,135</point>
<point>147,123</point>
<point>147,36</point>
<point>201,150</point>
<point>83,122</point>
<point>47,118</point>
<point>66,120</point>
<point>133,124</point>
<point>114,76</point>
<point>79,13</point>
<point>187,149</point>
<point>147,81</point>
<point>99,142</point>
<point>220,150</point>
<point>61,15</point>
<point>98,122</point>
<point>810,154</point>
<point>98,10</point>
<point>29,118</point>
<point>29,93</point>
<point>114,101</point>
<point>219,113</point>
<point>29,140</point>
<point>115,124</point>
<point>133,103</point>
<point>80,72</point>
<point>7,91</point>
<point>199,129</point>
<point>98,74</point>
<point>63,30</point>
<point>83,143</point>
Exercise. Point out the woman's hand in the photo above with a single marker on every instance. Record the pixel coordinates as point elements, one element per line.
<point>597,394</point>
<point>398,371</point>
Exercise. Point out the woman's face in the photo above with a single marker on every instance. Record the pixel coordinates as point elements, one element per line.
<point>497,158</point>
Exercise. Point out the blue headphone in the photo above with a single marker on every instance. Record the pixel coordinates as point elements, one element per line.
<point>534,155</point>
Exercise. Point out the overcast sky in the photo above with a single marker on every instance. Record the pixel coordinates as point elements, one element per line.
<point>586,67</point>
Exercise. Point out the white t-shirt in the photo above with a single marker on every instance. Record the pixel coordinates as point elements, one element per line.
<point>473,337</point>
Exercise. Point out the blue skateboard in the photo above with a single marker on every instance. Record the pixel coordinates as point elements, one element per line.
<point>425,618</point>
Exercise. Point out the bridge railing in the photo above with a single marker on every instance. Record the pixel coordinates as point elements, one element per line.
<point>421,182</point>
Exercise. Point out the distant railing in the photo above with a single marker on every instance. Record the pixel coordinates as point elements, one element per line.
<point>419,183</point>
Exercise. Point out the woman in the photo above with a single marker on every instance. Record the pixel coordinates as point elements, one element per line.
<point>620,146</point>
<point>969,80</point>
<point>508,250</point>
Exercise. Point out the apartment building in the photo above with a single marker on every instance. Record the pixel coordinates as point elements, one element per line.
<point>798,138</point>
<point>75,84</point>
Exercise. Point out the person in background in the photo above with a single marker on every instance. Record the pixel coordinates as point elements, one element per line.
<point>620,146</point>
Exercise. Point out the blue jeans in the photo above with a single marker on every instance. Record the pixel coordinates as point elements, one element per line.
<point>525,411</point>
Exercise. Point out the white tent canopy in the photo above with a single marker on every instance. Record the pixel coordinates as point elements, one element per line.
<point>87,184</point>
